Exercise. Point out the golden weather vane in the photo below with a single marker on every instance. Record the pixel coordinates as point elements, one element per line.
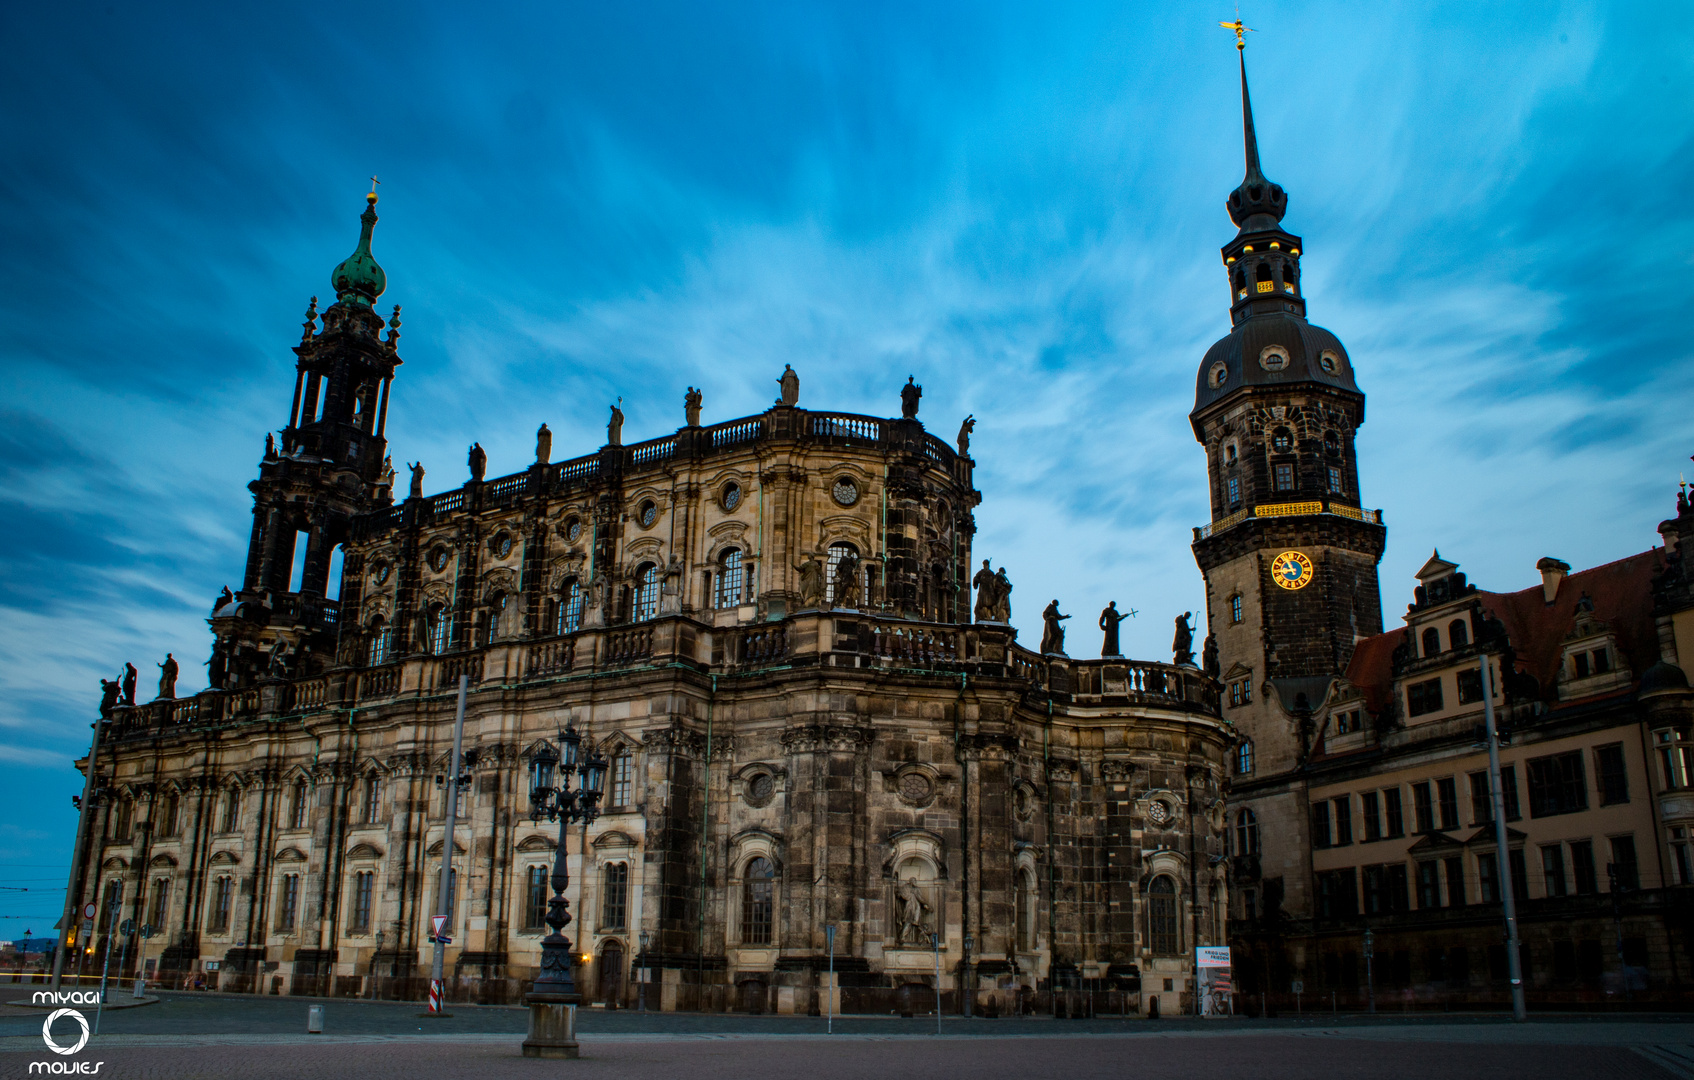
<point>1241,30</point>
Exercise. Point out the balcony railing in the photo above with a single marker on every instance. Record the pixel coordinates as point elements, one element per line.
<point>1287,509</point>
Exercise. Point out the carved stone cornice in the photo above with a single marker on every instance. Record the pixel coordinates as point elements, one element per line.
<point>985,746</point>
<point>1117,772</point>
<point>833,738</point>
<point>677,740</point>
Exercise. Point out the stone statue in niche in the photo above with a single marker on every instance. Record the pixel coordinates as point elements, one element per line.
<point>167,677</point>
<point>670,589</point>
<point>691,406</point>
<point>1209,657</point>
<point>614,426</point>
<point>276,667</point>
<point>130,675</point>
<point>1109,619</point>
<point>1182,645</point>
<point>987,586</point>
<point>965,430</point>
<point>914,921</point>
<point>543,444</point>
<point>478,462</point>
<point>909,395</point>
<point>847,581</point>
<point>417,479</point>
<point>1052,633</point>
<point>790,384</point>
<point>811,582</point>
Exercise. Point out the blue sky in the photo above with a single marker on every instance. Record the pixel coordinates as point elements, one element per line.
<point>1020,205</point>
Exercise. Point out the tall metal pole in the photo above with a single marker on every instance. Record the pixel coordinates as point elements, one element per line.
<point>82,821</point>
<point>935,943</point>
<point>829,994</point>
<point>443,896</point>
<point>1496,795</point>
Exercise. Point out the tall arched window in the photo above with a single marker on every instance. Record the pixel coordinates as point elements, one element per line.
<point>297,806</point>
<point>1161,916</point>
<point>497,614</point>
<point>729,579</point>
<point>1264,278</point>
<point>646,598</point>
<point>376,632</point>
<point>1246,833</point>
<point>1431,641</point>
<point>1458,634</point>
<point>1289,274</point>
<point>438,627</point>
<point>756,902</point>
<point>232,810</point>
<point>622,788</point>
<point>373,800</point>
<point>567,610</point>
<point>837,552</point>
<point>1026,912</point>
<point>1240,284</point>
<point>1244,757</point>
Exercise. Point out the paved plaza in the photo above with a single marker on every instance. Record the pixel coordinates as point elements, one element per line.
<point>210,1035</point>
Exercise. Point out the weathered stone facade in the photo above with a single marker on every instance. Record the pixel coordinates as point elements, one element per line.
<point>764,625</point>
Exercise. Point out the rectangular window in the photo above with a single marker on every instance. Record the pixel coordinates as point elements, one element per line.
<point>297,807</point>
<point>222,894</point>
<point>1553,869</point>
<point>1284,477</point>
<point>1338,894</point>
<point>1343,820</point>
<point>1244,757</point>
<point>623,778</point>
<point>288,905</point>
<point>1679,853</point>
<point>1385,889</point>
<point>373,800</point>
<point>1321,837</point>
<point>535,899</point>
<point>1334,481</point>
<point>615,899</point>
<point>1487,879</point>
<point>1602,661</point>
<point>121,823</point>
<point>1423,808</point>
<point>1234,491</point>
<point>1429,884</point>
<point>1370,806</point>
<point>1582,867</point>
<point>1455,867</point>
<point>159,904</point>
<point>1481,802</point>
<point>1447,800</point>
<point>1235,608</point>
<point>114,908</point>
<point>1470,686</point>
<point>1611,774</point>
<point>1509,791</point>
<point>169,814</point>
<point>1423,697</point>
<point>1394,815</point>
<point>1520,875</point>
<point>232,810</point>
<point>1580,662</point>
<point>1623,872</point>
<point>1557,785</point>
<point>363,883</point>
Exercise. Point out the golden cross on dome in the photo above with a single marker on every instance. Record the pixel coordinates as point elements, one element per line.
<point>374,183</point>
<point>1241,30</point>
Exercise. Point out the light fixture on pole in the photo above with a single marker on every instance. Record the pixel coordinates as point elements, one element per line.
<point>553,997</point>
<point>641,970</point>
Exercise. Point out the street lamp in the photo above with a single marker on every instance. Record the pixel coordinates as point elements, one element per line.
<point>969,988</point>
<point>553,994</point>
<point>641,972</point>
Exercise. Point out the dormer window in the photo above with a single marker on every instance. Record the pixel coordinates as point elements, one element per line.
<point>1273,358</point>
<point>1431,641</point>
<point>1229,454</point>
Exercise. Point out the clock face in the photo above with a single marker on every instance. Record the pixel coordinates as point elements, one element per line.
<point>1291,570</point>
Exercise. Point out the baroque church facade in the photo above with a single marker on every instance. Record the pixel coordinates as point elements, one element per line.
<point>764,625</point>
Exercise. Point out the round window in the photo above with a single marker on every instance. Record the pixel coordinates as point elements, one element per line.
<point>1329,362</point>
<point>648,514</point>
<point>438,559</point>
<point>1219,373</point>
<point>731,496</point>
<point>1159,812</point>
<point>1273,358</point>
<point>846,492</point>
<point>573,530</point>
<point>915,787</point>
<point>380,574</point>
<point>503,545</point>
<point>761,787</point>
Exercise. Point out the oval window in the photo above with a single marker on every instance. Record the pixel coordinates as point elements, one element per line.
<point>438,559</point>
<point>503,545</point>
<point>1273,358</point>
<point>1218,374</point>
<point>649,513</point>
<point>731,496</point>
<point>573,530</point>
<point>1329,362</point>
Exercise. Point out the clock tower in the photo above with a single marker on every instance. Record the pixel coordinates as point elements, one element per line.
<point>1290,554</point>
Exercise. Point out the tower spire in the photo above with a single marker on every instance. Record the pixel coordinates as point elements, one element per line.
<point>358,279</point>
<point>1257,204</point>
<point>1250,137</point>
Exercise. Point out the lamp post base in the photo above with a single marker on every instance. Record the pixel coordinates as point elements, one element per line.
<point>552,1026</point>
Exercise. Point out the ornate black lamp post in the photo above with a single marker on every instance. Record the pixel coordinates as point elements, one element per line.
<point>552,1023</point>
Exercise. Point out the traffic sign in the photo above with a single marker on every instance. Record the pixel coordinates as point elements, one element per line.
<point>127,928</point>
<point>442,940</point>
<point>88,911</point>
<point>147,930</point>
<point>440,922</point>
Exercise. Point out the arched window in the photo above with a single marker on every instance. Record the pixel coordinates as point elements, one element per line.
<point>622,787</point>
<point>646,598</point>
<point>1244,757</point>
<point>1026,912</point>
<point>1246,833</point>
<point>1265,284</point>
<point>1289,274</point>
<point>297,806</point>
<point>756,900</point>
<point>373,800</point>
<point>837,552</point>
<point>729,579</point>
<point>232,810</point>
<point>376,631</point>
<point>1240,284</point>
<point>1161,916</point>
<point>1431,641</point>
<point>438,627</point>
<point>497,605</point>
<point>1282,440</point>
<point>567,610</point>
<point>1458,634</point>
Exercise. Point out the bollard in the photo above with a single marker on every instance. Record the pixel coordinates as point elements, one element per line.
<point>314,1019</point>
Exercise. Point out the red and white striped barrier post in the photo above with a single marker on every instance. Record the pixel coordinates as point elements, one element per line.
<point>435,995</point>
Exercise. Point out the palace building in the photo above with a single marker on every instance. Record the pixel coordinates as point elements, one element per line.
<point>765,627</point>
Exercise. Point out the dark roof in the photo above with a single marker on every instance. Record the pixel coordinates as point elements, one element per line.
<point>1622,595</point>
<point>1240,353</point>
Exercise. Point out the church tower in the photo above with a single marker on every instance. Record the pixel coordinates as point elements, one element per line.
<point>1290,555</point>
<point>329,468</point>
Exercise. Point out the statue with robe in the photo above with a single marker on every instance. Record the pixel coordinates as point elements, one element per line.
<point>1003,597</point>
<point>130,676</point>
<point>543,445</point>
<point>987,587</point>
<point>790,383</point>
<point>691,406</point>
<point>614,426</point>
<point>417,479</point>
<point>109,691</point>
<point>847,581</point>
<point>1052,633</point>
<point>914,930</point>
<point>1109,619</point>
<point>478,462</point>
<point>811,582</point>
<point>1182,645</point>
<point>270,446</point>
<point>1209,657</point>
<point>167,677</point>
<point>965,430</point>
<point>909,395</point>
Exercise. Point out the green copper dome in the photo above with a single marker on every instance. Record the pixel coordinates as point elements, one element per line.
<point>359,280</point>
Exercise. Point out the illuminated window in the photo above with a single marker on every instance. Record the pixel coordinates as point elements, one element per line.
<point>729,579</point>
<point>646,592</point>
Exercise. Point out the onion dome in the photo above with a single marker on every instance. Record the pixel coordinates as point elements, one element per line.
<point>359,280</point>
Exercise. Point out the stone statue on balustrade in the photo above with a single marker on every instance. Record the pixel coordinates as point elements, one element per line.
<point>478,462</point>
<point>914,924</point>
<point>1002,597</point>
<point>790,383</point>
<point>130,677</point>
<point>614,426</point>
<point>987,587</point>
<point>847,581</point>
<point>543,444</point>
<point>270,446</point>
<point>1182,645</point>
<point>811,582</point>
<point>670,589</point>
<point>691,406</point>
<point>965,430</point>
<point>276,666</point>
<point>217,667</point>
<point>417,479</point>
<point>1209,657</point>
<point>385,478</point>
<point>909,395</point>
<point>1052,633</point>
<point>1109,619</point>
<point>167,677</point>
<point>109,691</point>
